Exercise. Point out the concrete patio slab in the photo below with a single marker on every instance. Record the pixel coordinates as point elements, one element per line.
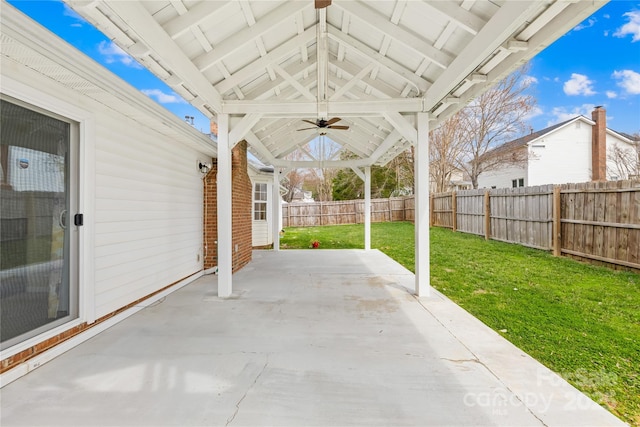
<point>309,338</point>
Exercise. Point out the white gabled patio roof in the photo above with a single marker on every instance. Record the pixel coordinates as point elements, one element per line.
<point>388,70</point>
<point>270,64</point>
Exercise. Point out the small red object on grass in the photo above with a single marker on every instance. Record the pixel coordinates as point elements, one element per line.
<point>315,244</point>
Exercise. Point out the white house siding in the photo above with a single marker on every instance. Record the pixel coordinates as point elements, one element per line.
<point>613,171</point>
<point>501,178</point>
<point>565,157</point>
<point>140,189</point>
<point>148,220</point>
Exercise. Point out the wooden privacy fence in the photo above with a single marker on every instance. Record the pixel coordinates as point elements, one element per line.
<point>596,221</point>
<point>346,212</point>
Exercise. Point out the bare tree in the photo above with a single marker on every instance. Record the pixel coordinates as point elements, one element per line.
<point>624,162</point>
<point>446,147</point>
<point>295,178</point>
<point>493,118</point>
<point>322,149</point>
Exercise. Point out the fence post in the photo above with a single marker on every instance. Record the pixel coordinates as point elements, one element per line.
<point>431,208</point>
<point>487,216</point>
<point>454,212</point>
<point>557,229</point>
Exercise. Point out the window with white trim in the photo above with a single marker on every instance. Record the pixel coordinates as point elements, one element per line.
<point>260,202</point>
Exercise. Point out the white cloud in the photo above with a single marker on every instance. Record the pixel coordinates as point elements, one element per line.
<point>611,94</point>
<point>632,27</point>
<point>529,80</point>
<point>163,98</point>
<point>628,80</point>
<point>578,84</point>
<point>562,114</point>
<point>535,112</point>
<point>112,53</point>
<point>606,16</point>
<point>589,23</point>
<point>67,11</point>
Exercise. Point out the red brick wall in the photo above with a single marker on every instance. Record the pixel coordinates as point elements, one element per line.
<point>241,193</point>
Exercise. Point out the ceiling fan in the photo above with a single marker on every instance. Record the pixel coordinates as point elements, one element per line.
<point>325,124</point>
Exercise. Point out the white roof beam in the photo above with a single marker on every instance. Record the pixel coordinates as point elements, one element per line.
<point>388,142</point>
<point>150,33</point>
<point>243,127</point>
<point>458,15</point>
<point>330,164</point>
<point>274,56</point>
<point>266,90</point>
<point>262,151</point>
<point>294,82</point>
<point>381,89</point>
<point>369,54</point>
<point>201,11</point>
<point>381,23</point>
<point>351,83</point>
<point>242,37</point>
<point>492,35</point>
<point>403,126</point>
<point>322,56</point>
<point>302,108</point>
<point>553,28</point>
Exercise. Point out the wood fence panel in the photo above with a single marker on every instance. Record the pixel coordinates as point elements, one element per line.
<point>470,211</point>
<point>606,221</point>
<point>598,222</point>
<point>442,210</point>
<point>409,209</point>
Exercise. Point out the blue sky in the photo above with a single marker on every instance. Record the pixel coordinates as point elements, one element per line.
<point>596,63</point>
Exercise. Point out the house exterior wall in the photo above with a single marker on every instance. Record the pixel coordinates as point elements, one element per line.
<point>138,188</point>
<point>146,217</point>
<point>241,193</point>
<point>501,178</point>
<point>561,156</point>
<point>614,170</point>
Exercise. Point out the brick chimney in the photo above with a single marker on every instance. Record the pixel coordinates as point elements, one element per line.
<point>599,145</point>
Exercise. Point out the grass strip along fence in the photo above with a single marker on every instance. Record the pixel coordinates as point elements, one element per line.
<point>580,320</point>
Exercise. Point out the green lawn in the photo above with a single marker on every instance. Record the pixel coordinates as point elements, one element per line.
<point>582,321</point>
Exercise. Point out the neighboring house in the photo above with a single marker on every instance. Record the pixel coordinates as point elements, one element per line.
<point>577,150</point>
<point>103,194</point>
<point>302,196</point>
<point>456,181</point>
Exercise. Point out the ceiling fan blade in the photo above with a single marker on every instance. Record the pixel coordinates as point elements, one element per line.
<point>320,4</point>
<point>307,128</point>
<point>334,120</point>
<point>310,122</point>
<point>338,127</point>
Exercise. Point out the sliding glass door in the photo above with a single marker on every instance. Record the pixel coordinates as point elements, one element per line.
<point>38,238</point>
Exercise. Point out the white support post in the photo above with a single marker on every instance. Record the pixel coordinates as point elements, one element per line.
<point>421,176</point>
<point>367,208</point>
<point>275,210</point>
<point>225,235</point>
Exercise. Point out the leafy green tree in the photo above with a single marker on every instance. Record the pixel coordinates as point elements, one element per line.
<point>348,186</point>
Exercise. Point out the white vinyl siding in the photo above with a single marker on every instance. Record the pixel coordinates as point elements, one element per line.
<point>140,192</point>
<point>148,225</point>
